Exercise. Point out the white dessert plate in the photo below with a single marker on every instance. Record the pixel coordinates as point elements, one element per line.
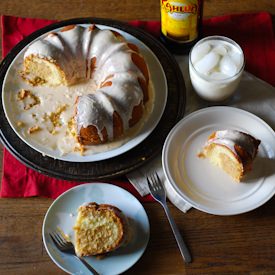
<point>62,214</point>
<point>13,83</point>
<point>207,187</point>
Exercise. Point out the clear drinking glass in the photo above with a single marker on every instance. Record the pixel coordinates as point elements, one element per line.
<point>216,64</point>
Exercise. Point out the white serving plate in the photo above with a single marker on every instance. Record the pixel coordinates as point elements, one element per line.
<point>207,187</point>
<point>13,82</point>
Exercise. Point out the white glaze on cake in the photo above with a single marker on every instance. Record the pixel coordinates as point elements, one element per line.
<point>52,98</point>
<point>88,52</point>
<point>230,138</point>
<point>122,96</point>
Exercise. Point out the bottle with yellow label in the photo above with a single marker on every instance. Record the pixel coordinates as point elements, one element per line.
<point>180,23</point>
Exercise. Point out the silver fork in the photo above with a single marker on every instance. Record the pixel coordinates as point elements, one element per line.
<point>158,192</point>
<point>67,247</point>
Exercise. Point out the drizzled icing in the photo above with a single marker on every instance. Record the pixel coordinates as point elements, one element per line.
<point>73,50</point>
<point>230,138</point>
<point>122,96</point>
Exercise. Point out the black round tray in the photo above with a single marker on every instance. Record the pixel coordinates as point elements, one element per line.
<point>116,166</point>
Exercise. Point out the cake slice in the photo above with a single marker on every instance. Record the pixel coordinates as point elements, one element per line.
<point>231,150</point>
<point>99,229</point>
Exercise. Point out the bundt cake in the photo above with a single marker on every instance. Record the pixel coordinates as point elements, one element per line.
<point>118,73</point>
<point>99,229</point>
<point>231,150</point>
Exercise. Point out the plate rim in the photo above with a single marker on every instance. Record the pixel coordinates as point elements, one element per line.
<point>127,162</point>
<point>177,189</point>
<point>87,185</point>
<point>139,137</point>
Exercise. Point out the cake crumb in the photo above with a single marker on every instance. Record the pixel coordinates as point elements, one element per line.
<point>34,129</point>
<point>71,129</point>
<point>53,132</point>
<point>79,148</point>
<point>34,81</point>
<point>55,116</point>
<point>20,123</point>
<point>28,98</point>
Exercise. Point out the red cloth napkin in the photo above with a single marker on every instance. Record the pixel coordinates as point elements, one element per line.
<point>253,32</point>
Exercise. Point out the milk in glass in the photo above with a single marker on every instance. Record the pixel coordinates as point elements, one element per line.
<point>216,64</point>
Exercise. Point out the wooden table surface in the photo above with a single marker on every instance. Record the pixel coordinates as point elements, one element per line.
<point>242,244</point>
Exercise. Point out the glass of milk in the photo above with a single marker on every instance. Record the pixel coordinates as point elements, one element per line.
<point>216,64</point>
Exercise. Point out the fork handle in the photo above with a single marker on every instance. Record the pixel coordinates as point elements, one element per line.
<point>181,244</point>
<point>88,265</point>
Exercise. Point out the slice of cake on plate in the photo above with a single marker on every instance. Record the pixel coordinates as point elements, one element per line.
<point>99,229</point>
<point>231,150</point>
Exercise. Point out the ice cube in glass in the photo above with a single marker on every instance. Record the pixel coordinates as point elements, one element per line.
<point>207,63</point>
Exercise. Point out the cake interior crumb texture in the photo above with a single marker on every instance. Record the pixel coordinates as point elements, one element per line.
<point>99,229</point>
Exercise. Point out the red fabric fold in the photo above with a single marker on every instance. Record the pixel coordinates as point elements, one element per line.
<point>254,32</point>
<point>21,181</point>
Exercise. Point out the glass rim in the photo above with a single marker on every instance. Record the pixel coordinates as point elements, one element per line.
<point>223,38</point>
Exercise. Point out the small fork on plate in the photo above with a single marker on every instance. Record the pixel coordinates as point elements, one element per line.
<point>157,190</point>
<point>67,247</point>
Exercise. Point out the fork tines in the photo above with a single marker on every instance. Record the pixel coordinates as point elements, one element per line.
<point>156,187</point>
<point>59,240</point>
<point>154,182</point>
